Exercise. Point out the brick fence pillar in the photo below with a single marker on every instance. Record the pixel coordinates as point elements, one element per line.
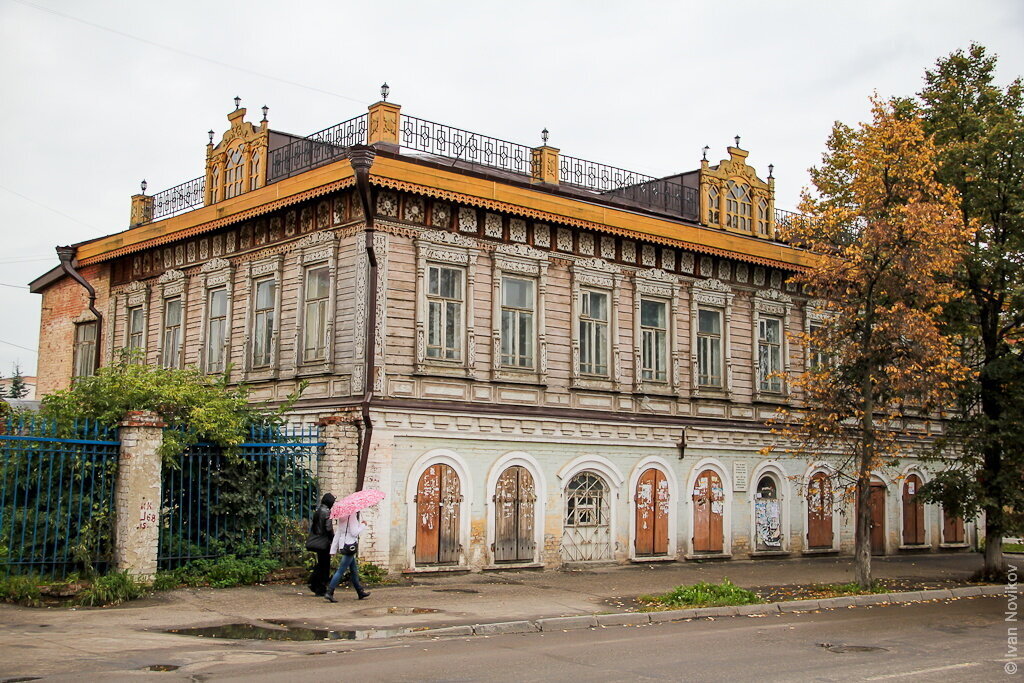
<point>137,524</point>
<point>336,469</point>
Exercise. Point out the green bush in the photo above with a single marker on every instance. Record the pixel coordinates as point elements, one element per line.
<point>112,589</point>
<point>223,572</point>
<point>372,574</point>
<point>21,590</point>
<point>703,595</point>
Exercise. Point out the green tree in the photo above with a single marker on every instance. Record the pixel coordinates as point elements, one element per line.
<point>979,130</point>
<point>18,388</point>
<point>888,235</point>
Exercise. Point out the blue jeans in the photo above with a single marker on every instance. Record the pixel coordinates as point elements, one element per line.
<point>347,562</point>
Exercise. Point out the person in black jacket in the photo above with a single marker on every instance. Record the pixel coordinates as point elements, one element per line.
<point>321,533</point>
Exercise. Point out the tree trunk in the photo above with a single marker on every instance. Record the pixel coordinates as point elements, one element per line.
<point>862,537</point>
<point>994,569</point>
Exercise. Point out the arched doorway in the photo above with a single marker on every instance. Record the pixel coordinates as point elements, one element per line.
<point>514,499</point>
<point>877,504</point>
<point>913,512</point>
<point>587,534</point>
<point>767,515</point>
<point>819,512</point>
<point>652,511</point>
<point>438,509</point>
<point>708,512</point>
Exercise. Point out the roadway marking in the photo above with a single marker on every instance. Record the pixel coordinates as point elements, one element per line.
<point>936,669</point>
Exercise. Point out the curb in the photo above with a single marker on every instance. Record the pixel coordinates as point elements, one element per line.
<point>587,621</point>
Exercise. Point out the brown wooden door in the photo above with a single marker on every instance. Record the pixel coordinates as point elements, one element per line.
<point>438,502</point>
<point>514,498</point>
<point>652,506</point>
<point>952,528</point>
<point>819,512</point>
<point>913,512</point>
<point>708,508</point>
<point>878,519</point>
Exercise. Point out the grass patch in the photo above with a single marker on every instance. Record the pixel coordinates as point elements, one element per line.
<point>21,590</point>
<point>701,595</point>
<point>112,589</point>
<point>836,590</point>
<point>223,572</point>
<point>1013,547</point>
<point>372,574</point>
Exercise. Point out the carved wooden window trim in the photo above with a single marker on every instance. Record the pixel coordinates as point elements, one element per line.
<point>739,206</point>
<point>135,297</point>
<point>598,275</point>
<point>256,272</point>
<point>656,285</point>
<point>446,250</point>
<point>527,263</point>
<point>317,250</point>
<point>172,285</point>
<point>771,303</point>
<point>83,356</point>
<point>711,294</point>
<point>216,274</point>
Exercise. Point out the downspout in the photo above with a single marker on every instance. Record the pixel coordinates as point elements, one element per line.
<point>66,256</point>
<point>361,157</point>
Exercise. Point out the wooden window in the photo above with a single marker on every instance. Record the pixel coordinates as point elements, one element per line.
<point>769,354</point>
<point>652,513</point>
<point>738,206</point>
<point>654,340</point>
<point>263,322</point>
<point>215,185</point>
<point>517,322</point>
<point>709,347</point>
<point>254,169</point>
<point>952,528</point>
<point>438,514</point>
<point>445,299</point>
<point>708,513</point>
<point>216,328</point>
<point>84,355</point>
<point>913,512</point>
<point>136,337</point>
<point>762,217</point>
<point>234,174</point>
<point>816,358</point>
<point>714,206</point>
<point>593,332</point>
<point>514,500</point>
<point>317,295</point>
<point>171,348</point>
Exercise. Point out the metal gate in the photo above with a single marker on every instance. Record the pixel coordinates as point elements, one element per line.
<point>913,512</point>
<point>514,498</point>
<point>708,509</point>
<point>652,508</point>
<point>819,512</point>
<point>438,506</point>
<point>587,533</point>
<point>767,515</point>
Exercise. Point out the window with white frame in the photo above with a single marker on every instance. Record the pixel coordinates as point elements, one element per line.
<point>714,207</point>
<point>136,336</point>
<point>264,303</point>
<point>709,347</point>
<point>316,293</point>
<point>216,328</point>
<point>763,225</point>
<point>738,206</point>
<point>517,322</point>
<point>816,358</point>
<point>654,340</point>
<point>254,169</point>
<point>84,358</point>
<point>769,354</point>
<point>445,301</point>
<point>171,348</point>
<point>234,174</point>
<point>593,326</point>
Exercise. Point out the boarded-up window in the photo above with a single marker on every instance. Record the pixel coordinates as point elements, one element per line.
<point>952,528</point>
<point>819,512</point>
<point>913,512</point>
<point>652,509</point>
<point>514,498</point>
<point>708,510</point>
<point>438,506</point>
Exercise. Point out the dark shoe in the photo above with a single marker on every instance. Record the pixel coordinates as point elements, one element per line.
<point>329,596</point>
<point>320,594</point>
<point>364,595</point>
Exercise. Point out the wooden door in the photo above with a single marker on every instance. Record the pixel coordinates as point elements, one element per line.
<point>878,519</point>
<point>514,498</point>
<point>708,509</point>
<point>913,512</point>
<point>952,528</point>
<point>819,512</point>
<point>652,507</point>
<point>438,502</point>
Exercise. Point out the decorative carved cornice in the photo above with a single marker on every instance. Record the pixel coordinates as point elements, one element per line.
<point>656,274</point>
<point>169,276</point>
<point>440,237</point>
<point>712,284</point>
<point>215,264</point>
<point>315,239</point>
<point>521,250</point>
<point>598,264</point>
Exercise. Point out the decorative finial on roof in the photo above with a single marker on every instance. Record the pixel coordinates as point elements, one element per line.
<point>143,185</point>
<point>705,157</point>
<point>737,138</point>
<point>265,109</point>
<point>210,133</point>
<point>238,102</point>
<point>384,90</point>
<point>544,135</point>
<point>771,170</point>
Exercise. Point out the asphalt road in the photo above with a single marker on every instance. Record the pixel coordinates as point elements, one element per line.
<point>962,640</point>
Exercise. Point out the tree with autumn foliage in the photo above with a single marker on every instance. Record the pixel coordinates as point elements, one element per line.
<point>978,128</point>
<point>889,235</point>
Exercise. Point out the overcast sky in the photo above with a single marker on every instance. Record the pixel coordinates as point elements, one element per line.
<point>96,95</point>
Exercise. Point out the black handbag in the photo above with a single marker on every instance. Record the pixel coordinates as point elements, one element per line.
<point>318,543</point>
<point>349,549</point>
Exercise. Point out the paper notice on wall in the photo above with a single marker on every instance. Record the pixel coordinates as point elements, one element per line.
<point>740,476</point>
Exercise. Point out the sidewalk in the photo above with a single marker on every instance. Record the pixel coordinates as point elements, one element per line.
<point>40,641</point>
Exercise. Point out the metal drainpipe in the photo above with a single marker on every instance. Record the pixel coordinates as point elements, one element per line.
<point>66,256</point>
<point>361,157</point>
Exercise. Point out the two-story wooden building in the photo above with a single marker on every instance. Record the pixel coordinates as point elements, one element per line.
<point>544,360</point>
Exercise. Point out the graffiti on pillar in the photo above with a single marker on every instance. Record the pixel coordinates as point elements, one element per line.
<point>147,515</point>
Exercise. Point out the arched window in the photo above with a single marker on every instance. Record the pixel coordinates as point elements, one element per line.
<point>652,512</point>
<point>762,217</point>
<point>234,174</point>
<point>254,169</point>
<point>913,512</point>
<point>738,207</point>
<point>714,202</point>
<point>587,532</point>
<point>819,512</point>
<point>514,500</point>
<point>708,512</point>
<point>767,513</point>
<point>215,185</point>
<point>438,515</point>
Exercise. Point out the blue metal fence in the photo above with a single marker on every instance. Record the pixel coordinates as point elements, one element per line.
<point>56,496</point>
<point>256,501</point>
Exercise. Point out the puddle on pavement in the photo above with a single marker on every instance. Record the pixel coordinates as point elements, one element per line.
<point>843,649</point>
<point>455,590</point>
<point>161,667</point>
<point>384,611</point>
<point>19,680</point>
<point>253,632</point>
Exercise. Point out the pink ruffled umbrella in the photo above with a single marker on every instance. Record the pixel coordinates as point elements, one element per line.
<point>359,500</point>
